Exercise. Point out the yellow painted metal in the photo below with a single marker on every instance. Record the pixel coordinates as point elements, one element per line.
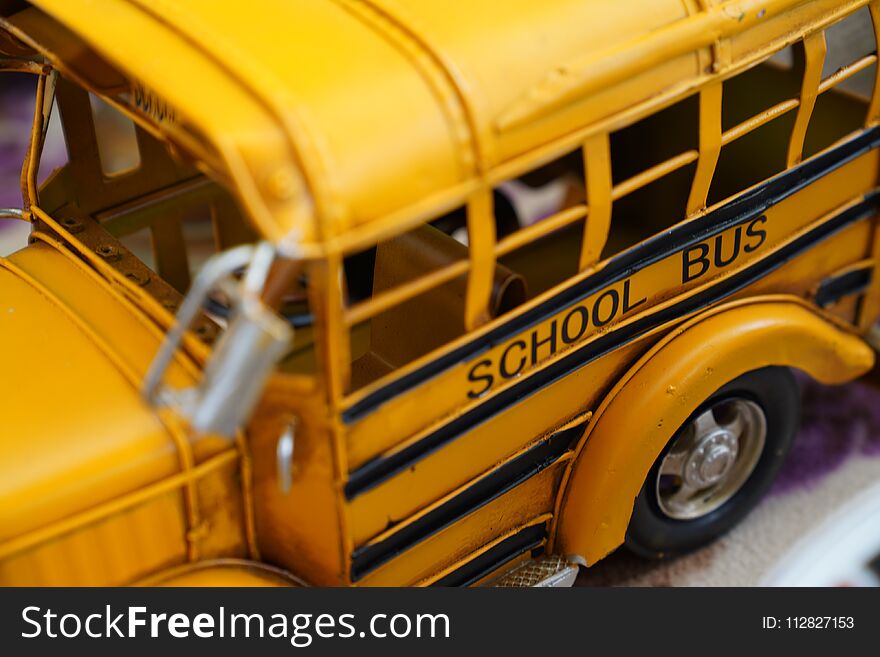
<point>302,530</point>
<point>457,542</point>
<point>710,146</point>
<point>460,462</point>
<point>539,229</point>
<point>479,313</point>
<point>870,309</point>
<point>814,49</point>
<point>481,239</point>
<point>597,160</point>
<point>314,170</point>
<point>667,385</point>
<point>101,552</point>
<point>39,127</point>
<point>850,308</point>
<point>73,352</point>
<point>873,115</point>
<point>101,459</point>
<point>339,124</point>
<point>412,415</point>
<point>234,573</point>
<point>531,522</point>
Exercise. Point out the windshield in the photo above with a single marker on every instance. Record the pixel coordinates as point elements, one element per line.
<point>148,212</point>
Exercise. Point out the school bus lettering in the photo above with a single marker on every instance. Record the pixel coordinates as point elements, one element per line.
<point>475,376</point>
<point>507,373</point>
<point>756,234</point>
<point>543,342</point>
<point>696,260</point>
<point>151,105</point>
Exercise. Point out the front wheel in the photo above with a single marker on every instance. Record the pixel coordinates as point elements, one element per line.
<point>718,465</point>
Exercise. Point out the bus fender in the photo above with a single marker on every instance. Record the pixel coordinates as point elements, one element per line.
<point>657,395</point>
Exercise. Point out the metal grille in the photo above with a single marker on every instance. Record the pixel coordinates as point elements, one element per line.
<point>546,571</point>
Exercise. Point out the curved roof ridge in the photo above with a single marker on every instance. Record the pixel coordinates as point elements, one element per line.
<point>408,24</point>
<point>300,139</point>
<point>365,109</point>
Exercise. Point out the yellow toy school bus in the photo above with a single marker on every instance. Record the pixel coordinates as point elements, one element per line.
<point>496,287</point>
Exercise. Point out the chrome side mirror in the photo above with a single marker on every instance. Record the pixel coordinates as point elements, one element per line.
<point>245,355</point>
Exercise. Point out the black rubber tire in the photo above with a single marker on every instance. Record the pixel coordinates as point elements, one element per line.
<point>654,535</point>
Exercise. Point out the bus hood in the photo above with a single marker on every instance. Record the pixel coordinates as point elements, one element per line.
<point>75,432</point>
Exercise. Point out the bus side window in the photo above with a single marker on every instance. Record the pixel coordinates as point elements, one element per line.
<point>150,206</point>
<point>116,139</point>
<point>18,93</point>
<point>405,298</point>
<point>842,109</point>
<point>753,154</point>
<point>653,163</point>
<point>544,249</point>
<point>54,154</point>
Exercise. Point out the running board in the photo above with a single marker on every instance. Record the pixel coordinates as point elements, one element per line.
<point>543,572</point>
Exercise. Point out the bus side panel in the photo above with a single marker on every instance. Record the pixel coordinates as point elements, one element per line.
<point>790,235</point>
<point>466,457</point>
<point>465,384</point>
<point>429,478</point>
<point>483,446</point>
<point>532,499</point>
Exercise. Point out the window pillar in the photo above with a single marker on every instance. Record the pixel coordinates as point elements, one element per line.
<point>481,243</point>
<point>597,162</point>
<point>710,146</point>
<point>814,51</point>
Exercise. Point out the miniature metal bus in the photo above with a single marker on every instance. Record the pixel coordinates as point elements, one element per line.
<point>350,292</point>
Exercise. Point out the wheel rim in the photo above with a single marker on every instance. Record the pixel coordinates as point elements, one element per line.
<point>711,459</point>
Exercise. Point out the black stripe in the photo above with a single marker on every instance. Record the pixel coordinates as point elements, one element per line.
<point>508,549</point>
<point>381,468</point>
<point>834,289</point>
<point>743,208</point>
<point>490,487</point>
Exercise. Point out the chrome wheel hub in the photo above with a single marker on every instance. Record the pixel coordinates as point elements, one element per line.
<point>711,459</point>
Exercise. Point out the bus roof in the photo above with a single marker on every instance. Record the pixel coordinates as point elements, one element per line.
<point>340,120</point>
